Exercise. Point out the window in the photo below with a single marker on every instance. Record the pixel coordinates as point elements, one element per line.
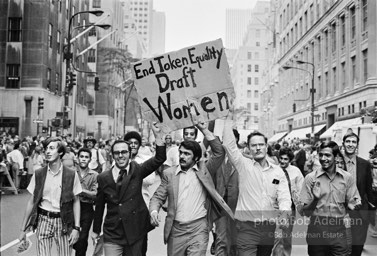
<point>334,82</point>
<point>353,71</point>
<point>319,49</point>
<point>256,106</point>
<point>325,39</point>
<point>365,14</point>
<point>353,22</point>
<point>13,76</point>
<point>96,3</point>
<point>14,30</point>
<point>333,37</point>
<point>249,93</point>
<point>256,94</point>
<point>353,108</point>
<point>249,106</point>
<point>256,55</point>
<point>326,83</point>
<point>249,80</point>
<point>93,32</point>
<point>92,55</point>
<point>257,43</point>
<point>256,68</point>
<point>318,9</point>
<point>249,55</point>
<point>365,65</point>
<point>343,77</point>
<point>49,79</point>
<point>311,15</point>
<point>343,30</point>
<point>256,80</point>
<point>257,33</point>
<point>50,35</point>
<point>349,109</point>
<point>58,41</point>
<point>248,68</point>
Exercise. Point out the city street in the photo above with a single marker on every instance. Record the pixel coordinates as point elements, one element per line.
<point>13,206</point>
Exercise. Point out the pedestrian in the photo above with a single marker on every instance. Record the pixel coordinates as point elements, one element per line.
<point>263,194</point>
<point>37,159</point>
<point>127,218</point>
<point>283,243</point>
<point>54,207</point>
<point>226,183</point>
<point>300,158</point>
<point>97,162</point>
<point>16,162</point>
<point>360,170</point>
<point>134,139</point>
<point>191,195</point>
<point>69,157</point>
<point>325,195</point>
<point>88,181</point>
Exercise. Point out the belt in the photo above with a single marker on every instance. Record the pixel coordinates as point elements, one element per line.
<point>48,213</point>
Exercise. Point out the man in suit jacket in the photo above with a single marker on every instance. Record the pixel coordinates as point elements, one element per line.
<point>127,218</point>
<point>193,202</point>
<point>360,169</point>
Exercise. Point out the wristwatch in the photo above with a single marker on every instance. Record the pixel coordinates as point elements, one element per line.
<point>77,228</point>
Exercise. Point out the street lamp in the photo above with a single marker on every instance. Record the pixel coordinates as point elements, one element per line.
<point>312,89</point>
<point>68,56</point>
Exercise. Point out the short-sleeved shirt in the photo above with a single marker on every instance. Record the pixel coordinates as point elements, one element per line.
<point>338,192</point>
<point>88,182</point>
<point>52,189</point>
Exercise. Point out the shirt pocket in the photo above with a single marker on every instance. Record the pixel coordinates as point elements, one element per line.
<point>339,193</point>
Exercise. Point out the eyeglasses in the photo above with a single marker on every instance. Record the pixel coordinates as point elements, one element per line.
<point>123,152</point>
<point>260,145</point>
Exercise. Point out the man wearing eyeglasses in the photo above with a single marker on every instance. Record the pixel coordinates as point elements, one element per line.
<point>264,199</point>
<point>88,180</point>
<point>127,219</point>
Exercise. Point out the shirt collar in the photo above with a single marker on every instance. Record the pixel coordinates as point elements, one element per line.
<point>352,159</point>
<point>268,167</point>
<point>118,170</point>
<point>337,171</point>
<point>59,170</point>
<point>195,168</point>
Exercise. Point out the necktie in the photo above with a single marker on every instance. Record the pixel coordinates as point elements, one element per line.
<point>289,185</point>
<point>120,179</point>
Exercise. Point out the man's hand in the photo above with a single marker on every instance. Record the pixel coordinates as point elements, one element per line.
<point>155,219</point>
<point>316,190</point>
<point>201,125</point>
<point>73,237</point>
<point>95,237</point>
<point>354,204</point>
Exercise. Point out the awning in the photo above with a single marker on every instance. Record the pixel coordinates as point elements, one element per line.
<point>301,133</point>
<point>329,133</point>
<point>276,137</point>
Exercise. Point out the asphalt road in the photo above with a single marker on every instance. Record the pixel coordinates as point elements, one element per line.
<point>12,211</point>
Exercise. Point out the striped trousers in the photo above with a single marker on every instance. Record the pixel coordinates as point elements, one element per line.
<point>49,230</point>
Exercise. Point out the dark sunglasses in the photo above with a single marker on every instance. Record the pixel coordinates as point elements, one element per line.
<point>123,152</point>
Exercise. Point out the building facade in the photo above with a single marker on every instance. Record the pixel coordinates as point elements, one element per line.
<point>236,21</point>
<point>338,40</point>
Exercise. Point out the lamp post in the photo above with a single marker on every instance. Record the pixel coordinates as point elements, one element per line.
<point>312,90</point>
<point>68,57</point>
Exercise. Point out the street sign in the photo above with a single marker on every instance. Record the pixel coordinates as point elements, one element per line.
<point>37,121</point>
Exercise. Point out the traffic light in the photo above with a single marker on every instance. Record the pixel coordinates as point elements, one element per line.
<point>40,103</point>
<point>73,80</point>
<point>66,123</point>
<point>68,86</point>
<point>44,129</point>
<point>96,83</point>
<point>55,122</point>
<point>294,107</point>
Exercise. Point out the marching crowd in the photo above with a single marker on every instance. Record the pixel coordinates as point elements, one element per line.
<point>248,196</point>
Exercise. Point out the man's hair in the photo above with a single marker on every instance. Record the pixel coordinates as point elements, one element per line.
<point>194,147</point>
<point>118,142</point>
<point>87,150</point>
<point>191,127</point>
<point>132,135</point>
<point>61,145</point>
<point>288,152</point>
<point>351,134</point>
<point>332,145</point>
<point>255,134</point>
<point>277,146</point>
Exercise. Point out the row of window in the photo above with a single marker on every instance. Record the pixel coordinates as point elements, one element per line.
<point>138,9</point>
<point>330,33</point>
<point>250,55</point>
<point>256,94</point>
<point>256,81</point>
<point>136,3</point>
<point>249,68</point>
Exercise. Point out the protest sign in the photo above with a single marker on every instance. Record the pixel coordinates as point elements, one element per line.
<point>195,79</point>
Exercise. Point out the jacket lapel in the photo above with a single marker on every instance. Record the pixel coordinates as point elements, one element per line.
<point>175,183</point>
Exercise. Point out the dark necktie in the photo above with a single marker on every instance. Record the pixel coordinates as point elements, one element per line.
<point>289,185</point>
<point>120,179</point>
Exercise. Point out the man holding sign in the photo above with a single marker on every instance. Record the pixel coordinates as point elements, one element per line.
<point>193,201</point>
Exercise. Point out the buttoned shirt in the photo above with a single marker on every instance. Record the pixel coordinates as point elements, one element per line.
<point>261,190</point>
<point>191,196</point>
<point>336,192</point>
<point>351,165</point>
<point>52,189</point>
<point>88,181</point>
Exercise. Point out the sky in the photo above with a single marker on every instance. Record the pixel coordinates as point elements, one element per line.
<point>190,22</point>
